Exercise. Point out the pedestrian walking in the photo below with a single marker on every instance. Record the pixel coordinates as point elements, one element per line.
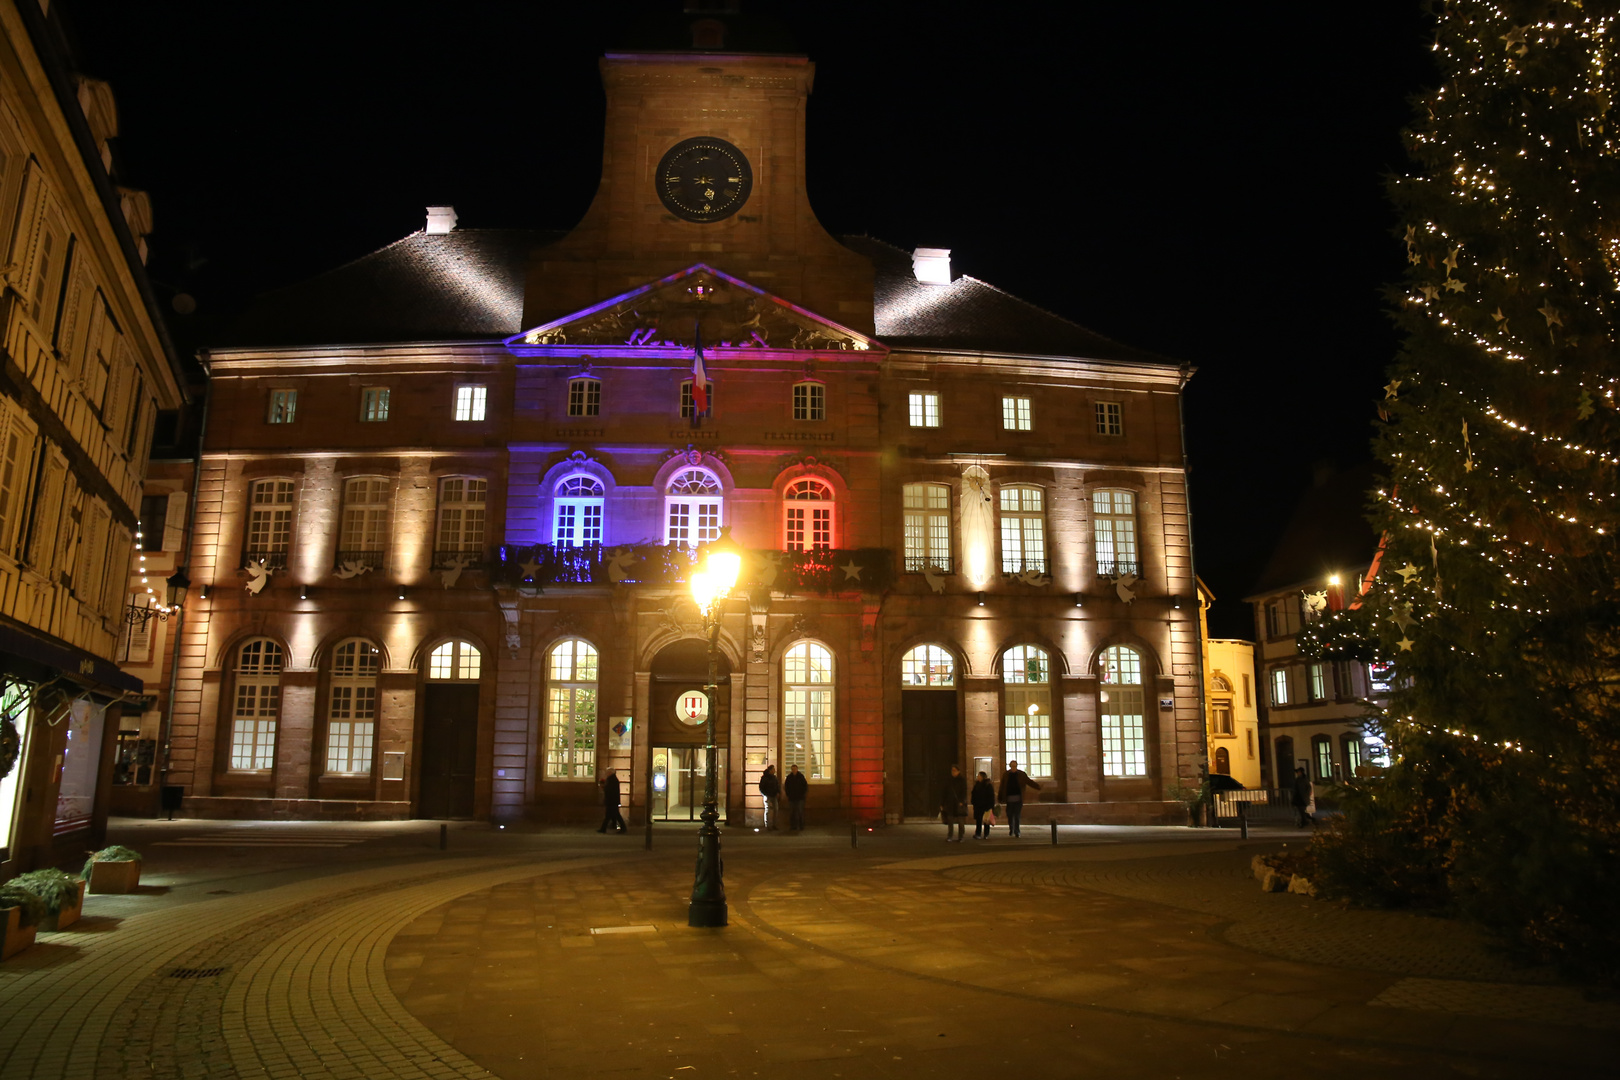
<point>1014,783</point>
<point>953,804</point>
<point>770,788</point>
<point>984,801</point>
<point>610,802</point>
<point>1302,799</point>
<point>796,788</point>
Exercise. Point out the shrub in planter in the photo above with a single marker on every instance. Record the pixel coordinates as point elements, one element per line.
<point>61,892</point>
<point>115,869</point>
<point>20,912</point>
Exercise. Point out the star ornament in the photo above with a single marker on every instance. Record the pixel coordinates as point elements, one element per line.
<point>1514,40</point>
<point>852,570</point>
<point>1390,388</point>
<point>1406,643</point>
<point>1553,316</point>
<point>1450,261</point>
<point>1430,292</point>
<point>1454,285</point>
<point>1408,572</point>
<point>1401,616</point>
<point>1585,406</point>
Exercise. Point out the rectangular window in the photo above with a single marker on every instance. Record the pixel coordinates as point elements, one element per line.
<point>352,728</point>
<point>1123,733</point>
<point>470,401</point>
<point>924,409</point>
<point>1027,734</point>
<point>1220,718</point>
<point>809,528</point>
<point>689,402</point>
<point>461,518</point>
<point>1279,686</point>
<point>1110,418</point>
<point>571,712</point>
<point>270,520</point>
<point>1023,531</point>
<point>364,529</point>
<point>1248,702</point>
<point>584,397</point>
<point>809,401</point>
<point>928,527</point>
<point>253,725</point>
<point>1015,416</point>
<point>807,730</point>
<point>1113,520</point>
<point>154,514</point>
<point>1323,755</point>
<point>283,406</point>
<point>691,521</point>
<point>374,404</point>
<point>1379,677</point>
<point>1318,674</point>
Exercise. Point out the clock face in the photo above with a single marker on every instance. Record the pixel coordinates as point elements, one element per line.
<point>704,179</point>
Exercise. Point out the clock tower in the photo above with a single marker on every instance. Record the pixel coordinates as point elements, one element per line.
<point>703,160</point>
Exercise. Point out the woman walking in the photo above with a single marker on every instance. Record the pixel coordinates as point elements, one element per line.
<point>984,801</point>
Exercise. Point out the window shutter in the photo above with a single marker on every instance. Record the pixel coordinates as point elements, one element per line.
<point>116,579</point>
<point>47,518</point>
<point>174,522</point>
<point>89,576</point>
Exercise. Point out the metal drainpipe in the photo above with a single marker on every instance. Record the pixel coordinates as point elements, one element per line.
<point>167,725</point>
<point>1192,566</point>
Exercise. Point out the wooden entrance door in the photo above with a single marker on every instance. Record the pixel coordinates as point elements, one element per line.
<point>449,750</point>
<point>928,737</point>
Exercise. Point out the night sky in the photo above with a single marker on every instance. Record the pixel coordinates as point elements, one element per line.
<point>1201,180</point>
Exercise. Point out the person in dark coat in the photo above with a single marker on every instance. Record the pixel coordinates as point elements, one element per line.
<point>984,801</point>
<point>953,804</point>
<point>770,787</point>
<point>1302,799</point>
<point>610,802</point>
<point>796,787</point>
<point>1015,783</point>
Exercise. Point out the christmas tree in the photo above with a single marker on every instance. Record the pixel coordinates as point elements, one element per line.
<point>1495,595</point>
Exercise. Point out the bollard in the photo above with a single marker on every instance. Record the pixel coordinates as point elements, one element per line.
<point>649,830</point>
<point>444,837</point>
<point>1054,834</point>
<point>1243,819</point>
<point>854,835</point>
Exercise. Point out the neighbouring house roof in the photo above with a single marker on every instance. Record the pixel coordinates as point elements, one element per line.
<point>468,284</point>
<point>1328,532</point>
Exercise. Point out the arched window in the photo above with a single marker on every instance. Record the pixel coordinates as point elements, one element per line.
<point>927,665</point>
<point>1113,524</point>
<point>807,710</point>
<point>351,718</point>
<point>571,711</point>
<point>1223,762</point>
<point>269,532</point>
<point>584,396</point>
<point>461,520</point>
<point>1023,530</point>
<point>1220,683</point>
<point>928,527</point>
<point>809,401</point>
<point>692,508</point>
<point>256,706</point>
<point>455,661</point>
<point>1220,705</point>
<point>1026,708</point>
<point>577,519</point>
<point>364,532</point>
<point>1124,731</point>
<point>809,516</point>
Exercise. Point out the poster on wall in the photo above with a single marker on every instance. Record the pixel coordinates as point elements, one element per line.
<point>81,761</point>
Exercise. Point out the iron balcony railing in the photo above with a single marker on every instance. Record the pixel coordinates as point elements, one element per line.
<point>273,560</point>
<point>1111,568</point>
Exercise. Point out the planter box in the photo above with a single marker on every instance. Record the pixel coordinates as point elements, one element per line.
<point>67,916</point>
<point>115,877</point>
<point>14,936</point>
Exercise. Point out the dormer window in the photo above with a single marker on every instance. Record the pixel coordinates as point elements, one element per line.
<point>584,396</point>
<point>809,401</point>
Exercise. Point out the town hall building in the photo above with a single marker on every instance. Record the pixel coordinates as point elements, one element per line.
<point>449,495</point>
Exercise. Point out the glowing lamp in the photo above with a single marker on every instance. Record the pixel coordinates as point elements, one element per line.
<point>1033,708</point>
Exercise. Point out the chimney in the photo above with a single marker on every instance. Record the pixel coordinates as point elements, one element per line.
<point>932,265</point>
<point>440,219</point>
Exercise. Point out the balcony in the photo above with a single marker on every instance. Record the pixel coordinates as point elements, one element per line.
<point>273,560</point>
<point>467,558</point>
<point>827,571</point>
<point>1112,568</point>
<point>358,560</point>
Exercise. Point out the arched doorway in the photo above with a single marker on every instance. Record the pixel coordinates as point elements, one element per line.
<point>449,757</point>
<point>678,762</point>
<point>927,726</point>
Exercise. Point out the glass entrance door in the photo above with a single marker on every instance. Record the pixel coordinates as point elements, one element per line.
<point>678,780</point>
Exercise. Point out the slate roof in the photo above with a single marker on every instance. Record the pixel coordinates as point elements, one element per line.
<point>468,284</point>
<point>1328,533</point>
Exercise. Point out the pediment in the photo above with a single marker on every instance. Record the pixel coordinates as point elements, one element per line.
<point>664,316</point>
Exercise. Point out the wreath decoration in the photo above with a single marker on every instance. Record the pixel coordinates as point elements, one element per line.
<point>10,746</point>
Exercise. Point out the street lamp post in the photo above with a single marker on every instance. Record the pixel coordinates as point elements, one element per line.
<point>711,583</point>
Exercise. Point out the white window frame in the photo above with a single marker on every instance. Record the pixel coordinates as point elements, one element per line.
<point>928,667</point>
<point>456,660</point>
<point>1122,708</point>
<point>351,712</point>
<point>922,408</point>
<point>1023,528</point>
<point>270,515</point>
<point>374,403</point>
<point>1110,417</point>
<point>255,705</point>
<point>1114,533</point>
<point>577,511</point>
<point>1016,416</point>
<point>573,669</point>
<point>283,407</point>
<point>472,402</point>
<point>364,525</point>
<point>809,400</point>
<point>1026,708</point>
<point>807,515</point>
<point>809,708</point>
<point>584,396</point>
<point>463,516</point>
<point>926,509</point>
<point>1279,686</point>
<point>689,399</point>
<point>695,513</point>
<point>1316,674</point>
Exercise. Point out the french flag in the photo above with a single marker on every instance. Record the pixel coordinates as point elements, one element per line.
<point>700,378</point>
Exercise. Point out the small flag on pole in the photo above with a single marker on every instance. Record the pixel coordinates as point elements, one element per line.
<point>700,378</point>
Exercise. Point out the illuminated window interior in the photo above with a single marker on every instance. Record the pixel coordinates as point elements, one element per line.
<point>928,527</point>
<point>374,403</point>
<point>1023,530</point>
<point>470,402</point>
<point>927,665</point>
<point>1113,523</point>
<point>351,724</point>
<point>577,513</point>
<point>283,406</point>
<point>1124,738</point>
<point>256,705</point>
<point>923,408</point>
<point>571,677</point>
<point>807,710</point>
<point>1026,708</point>
<point>693,506</point>
<point>808,517</point>
<point>1015,416</point>
<point>455,661</point>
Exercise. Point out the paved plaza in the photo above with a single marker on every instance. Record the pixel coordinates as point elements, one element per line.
<point>362,950</point>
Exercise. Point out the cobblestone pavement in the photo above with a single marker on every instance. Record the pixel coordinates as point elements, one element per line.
<point>548,955</point>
